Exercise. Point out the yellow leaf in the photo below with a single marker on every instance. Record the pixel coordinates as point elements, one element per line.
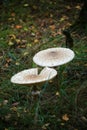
<point>17,63</point>
<point>14,109</point>
<point>62,124</point>
<point>29,45</point>
<point>51,15</point>
<point>18,41</point>
<point>57,94</point>
<point>26,5</point>
<point>85,64</point>
<point>0,104</point>
<point>50,81</point>
<point>6,129</point>
<point>52,27</point>
<point>35,7</point>
<point>78,7</point>
<point>5,102</point>
<point>36,41</point>
<point>18,114</point>
<point>11,43</point>
<point>7,117</point>
<point>62,19</point>
<point>65,117</point>
<point>68,7</point>
<point>45,126</point>
<point>12,36</point>
<point>26,53</point>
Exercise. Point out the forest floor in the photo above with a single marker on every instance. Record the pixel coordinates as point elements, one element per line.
<point>25,29</point>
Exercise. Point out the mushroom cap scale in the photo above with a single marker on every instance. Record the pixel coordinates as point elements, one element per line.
<point>53,57</point>
<point>31,76</point>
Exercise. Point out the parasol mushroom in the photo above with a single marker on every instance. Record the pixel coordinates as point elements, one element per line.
<point>53,57</point>
<point>31,76</point>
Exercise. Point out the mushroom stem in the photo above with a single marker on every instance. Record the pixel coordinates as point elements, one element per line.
<point>34,88</point>
<point>57,78</point>
<point>35,92</point>
<point>36,95</point>
<point>55,82</point>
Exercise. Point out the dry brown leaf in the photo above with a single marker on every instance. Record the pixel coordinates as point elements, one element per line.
<point>13,108</point>
<point>45,126</point>
<point>13,14</point>
<point>78,7</point>
<point>6,129</point>
<point>52,27</point>
<point>65,117</point>
<point>15,104</point>
<point>18,26</point>
<point>5,102</point>
<point>68,7</point>
<point>36,41</point>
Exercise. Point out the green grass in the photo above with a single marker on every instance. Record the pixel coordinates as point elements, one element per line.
<point>19,109</point>
<point>49,107</point>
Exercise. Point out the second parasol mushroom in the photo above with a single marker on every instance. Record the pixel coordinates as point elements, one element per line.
<point>31,76</point>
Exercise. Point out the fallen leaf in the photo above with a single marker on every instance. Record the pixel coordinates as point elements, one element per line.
<point>26,53</point>
<point>18,26</point>
<point>7,117</point>
<point>6,65</point>
<point>26,5</point>
<point>12,36</point>
<point>65,117</point>
<point>57,94</point>
<point>84,118</point>
<point>68,7</point>
<point>12,14</point>
<point>15,104</point>
<point>17,63</point>
<point>62,124</point>
<point>6,129</point>
<point>78,7</point>
<point>10,43</point>
<point>18,41</point>
<point>8,60</point>
<point>35,7</point>
<point>5,102</point>
<point>51,15</point>
<point>36,41</point>
<point>52,27</point>
<point>62,19</point>
<point>45,126</point>
<point>18,114</point>
<point>14,109</point>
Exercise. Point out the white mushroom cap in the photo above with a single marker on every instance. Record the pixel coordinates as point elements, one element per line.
<point>31,76</point>
<point>53,57</point>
